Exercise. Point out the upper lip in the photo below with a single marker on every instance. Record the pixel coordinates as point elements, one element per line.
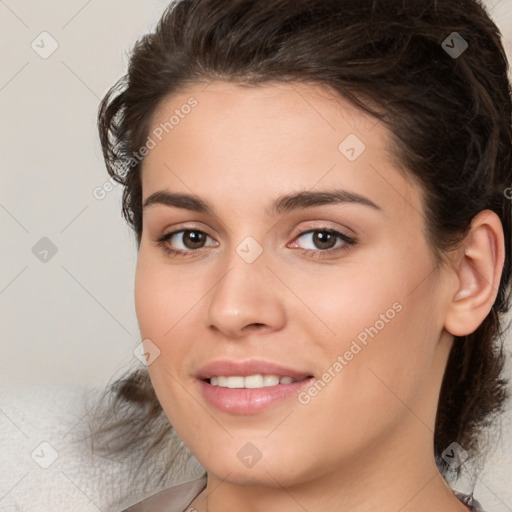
<point>228,368</point>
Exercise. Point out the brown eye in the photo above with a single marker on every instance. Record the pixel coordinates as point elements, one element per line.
<point>324,239</point>
<point>193,239</point>
<point>184,241</point>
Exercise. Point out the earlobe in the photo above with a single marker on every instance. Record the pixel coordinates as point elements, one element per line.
<point>478,274</point>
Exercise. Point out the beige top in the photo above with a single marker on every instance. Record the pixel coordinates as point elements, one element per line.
<point>179,497</point>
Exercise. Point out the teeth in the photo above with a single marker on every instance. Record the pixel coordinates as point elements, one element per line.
<point>270,380</point>
<point>253,381</point>
<point>250,382</point>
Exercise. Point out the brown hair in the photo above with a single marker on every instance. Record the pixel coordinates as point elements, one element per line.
<point>449,115</point>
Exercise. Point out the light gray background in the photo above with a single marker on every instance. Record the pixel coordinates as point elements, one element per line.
<point>71,320</point>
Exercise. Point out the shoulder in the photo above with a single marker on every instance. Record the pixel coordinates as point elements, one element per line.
<point>173,499</point>
<point>469,501</point>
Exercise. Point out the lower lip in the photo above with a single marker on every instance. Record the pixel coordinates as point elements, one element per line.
<point>250,401</point>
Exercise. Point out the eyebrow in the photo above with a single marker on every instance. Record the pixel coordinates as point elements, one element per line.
<point>283,204</point>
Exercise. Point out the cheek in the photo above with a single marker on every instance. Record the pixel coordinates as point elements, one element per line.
<point>382,321</point>
<point>166,304</point>
<point>146,297</point>
<point>163,294</point>
<point>159,309</point>
<point>396,347</point>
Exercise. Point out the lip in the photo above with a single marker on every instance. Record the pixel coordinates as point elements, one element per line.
<point>244,401</point>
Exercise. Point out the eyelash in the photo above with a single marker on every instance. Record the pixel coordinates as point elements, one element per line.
<point>348,243</point>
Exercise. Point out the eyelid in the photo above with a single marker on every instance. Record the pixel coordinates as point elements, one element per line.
<point>192,226</point>
<point>324,225</point>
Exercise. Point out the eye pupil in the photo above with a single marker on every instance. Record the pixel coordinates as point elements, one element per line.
<point>324,239</point>
<point>193,239</point>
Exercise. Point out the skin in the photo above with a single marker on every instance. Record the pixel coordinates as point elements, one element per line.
<point>365,442</point>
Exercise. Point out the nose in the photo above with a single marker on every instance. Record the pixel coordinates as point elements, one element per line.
<point>247,297</point>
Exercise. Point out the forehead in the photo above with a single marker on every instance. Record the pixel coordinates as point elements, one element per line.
<point>266,138</point>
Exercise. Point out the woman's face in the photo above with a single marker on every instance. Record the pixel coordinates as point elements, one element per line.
<point>301,254</point>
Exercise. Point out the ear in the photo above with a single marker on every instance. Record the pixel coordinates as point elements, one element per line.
<point>478,268</point>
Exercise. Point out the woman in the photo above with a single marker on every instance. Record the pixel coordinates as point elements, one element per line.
<point>318,191</point>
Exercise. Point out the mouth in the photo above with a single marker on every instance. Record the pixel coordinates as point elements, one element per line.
<point>249,387</point>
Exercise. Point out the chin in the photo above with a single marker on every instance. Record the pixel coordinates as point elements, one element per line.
<point>239,469</point>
